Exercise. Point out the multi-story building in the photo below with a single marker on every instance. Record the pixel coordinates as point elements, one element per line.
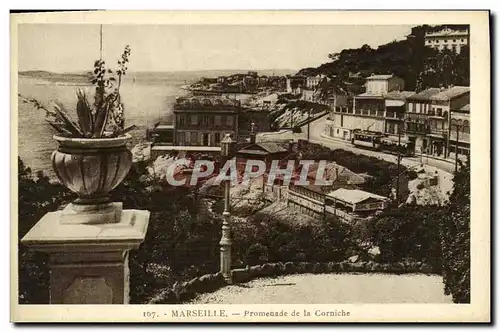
<point>380,85</point>
<point>447,39</point>
<point>295,83</point>
<point>378,109</point>
<point>460,128</point>
<point>312,82</point>
<point>428,117</point>
<point>308,94</point>
<point>204,121</point>
<point>395,106</point>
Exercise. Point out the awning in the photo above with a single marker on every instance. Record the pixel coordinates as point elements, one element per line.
<point>394,103</point>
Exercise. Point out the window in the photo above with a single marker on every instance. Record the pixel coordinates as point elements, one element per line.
<point>341,120</point>
<point>217,120</point>
<point>338,131</point>
<point>194,138</point>
<point>182,120</point>
<point>446,40</point>
<point>212,120</point>
<point>454,40</point>
<point>204,120</point>
<point>217,138</point>
<point>223,120</point>
<point>194,119</point>
<point>229,120</point>
<point>181,137</point>
<point>462,40</point>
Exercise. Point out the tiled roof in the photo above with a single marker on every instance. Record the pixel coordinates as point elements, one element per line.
<point>354,196</point>
<point>369,95</point>
<point>451,93</point>
<point>425,95</point>
<point>399,95</point>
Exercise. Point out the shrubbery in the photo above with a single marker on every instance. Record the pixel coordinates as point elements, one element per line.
<point>455,238</point>
<point>37,196</point>
<point>412,175</point>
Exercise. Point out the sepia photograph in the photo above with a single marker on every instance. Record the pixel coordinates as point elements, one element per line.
<point>275,169</point>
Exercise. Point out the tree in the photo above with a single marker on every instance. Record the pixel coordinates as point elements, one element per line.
<point>455,238</point>
<point>444,68</point>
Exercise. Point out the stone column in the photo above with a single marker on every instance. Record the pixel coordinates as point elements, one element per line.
<point>88,261</point>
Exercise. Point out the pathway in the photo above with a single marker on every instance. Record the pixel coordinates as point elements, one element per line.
<point>332,288</point>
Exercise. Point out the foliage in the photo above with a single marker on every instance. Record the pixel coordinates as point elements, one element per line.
<point>409,59</point>
<point>105,118</point>
<point>412,175</point>
<point>37,196</point>
<point>410,233</point>
<point>455,238</point>
<point>445,68</point>
<point>262,240</point>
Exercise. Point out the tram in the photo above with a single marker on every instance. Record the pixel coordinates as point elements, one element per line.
<point>381,142</point>
<point>366,139</point>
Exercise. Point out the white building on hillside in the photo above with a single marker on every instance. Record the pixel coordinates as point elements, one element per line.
<point>447,38</point>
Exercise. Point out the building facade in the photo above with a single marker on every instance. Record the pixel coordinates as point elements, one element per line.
<point>204,121</point>
<point>447,38</point>
<point>379,109</point>
<point>380,85</point>
<point>460,131</point>
<point>312,82</point>
<point>294,84</point>
<point>428,118</point>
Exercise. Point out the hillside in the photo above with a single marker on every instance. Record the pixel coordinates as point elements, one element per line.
<point>56,77</point>
<point>409,59</point>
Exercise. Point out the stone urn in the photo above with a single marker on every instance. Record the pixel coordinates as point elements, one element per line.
<point>91,168</point>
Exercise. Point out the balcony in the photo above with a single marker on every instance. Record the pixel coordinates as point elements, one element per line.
<point>369,112</point>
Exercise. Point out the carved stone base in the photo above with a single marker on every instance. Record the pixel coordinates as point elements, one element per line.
<point>108,213</point>
<point>88,262</point>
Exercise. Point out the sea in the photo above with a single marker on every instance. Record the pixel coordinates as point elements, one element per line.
<point>148,99</point>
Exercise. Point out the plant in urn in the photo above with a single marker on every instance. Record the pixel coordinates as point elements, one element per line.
<point>92,157</point>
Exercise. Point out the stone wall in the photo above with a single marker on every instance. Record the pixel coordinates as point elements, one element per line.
<point>184,291</point>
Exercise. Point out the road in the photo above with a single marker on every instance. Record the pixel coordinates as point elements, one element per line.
<point>315,136</point>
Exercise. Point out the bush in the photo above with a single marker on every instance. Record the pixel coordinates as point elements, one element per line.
<point>420,186</point>
<point>412,233</point>
<point>412,175</point>
<point>36,197</point>
<point>256,254</point>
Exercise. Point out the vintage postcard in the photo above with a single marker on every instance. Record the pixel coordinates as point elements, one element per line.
<point>250,166</point>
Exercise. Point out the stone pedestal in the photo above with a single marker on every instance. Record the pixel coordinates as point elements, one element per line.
<point>88,262</point>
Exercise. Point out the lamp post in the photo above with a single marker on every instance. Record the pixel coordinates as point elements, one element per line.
<point>227,145</point>
<point>458,127</point>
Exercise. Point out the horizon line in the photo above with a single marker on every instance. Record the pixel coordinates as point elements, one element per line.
<point>163,70</point>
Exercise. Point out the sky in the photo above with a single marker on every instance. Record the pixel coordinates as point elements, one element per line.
<point>75,47</point>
